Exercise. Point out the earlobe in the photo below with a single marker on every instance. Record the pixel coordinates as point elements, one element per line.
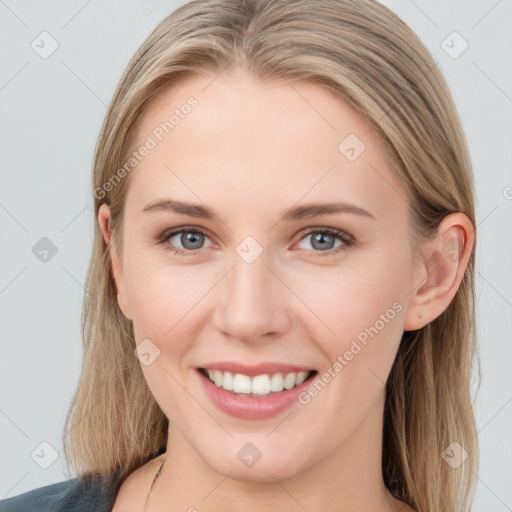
<point>104,219</point>
<point>440,272</point>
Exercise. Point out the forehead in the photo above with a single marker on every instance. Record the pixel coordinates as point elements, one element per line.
<point>234,139</point>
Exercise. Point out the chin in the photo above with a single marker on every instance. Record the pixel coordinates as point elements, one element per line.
<point>248,464</point>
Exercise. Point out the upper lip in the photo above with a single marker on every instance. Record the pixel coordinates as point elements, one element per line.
<point>255,369</point>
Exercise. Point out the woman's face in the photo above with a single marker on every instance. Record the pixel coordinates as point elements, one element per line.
<point>266,278</point>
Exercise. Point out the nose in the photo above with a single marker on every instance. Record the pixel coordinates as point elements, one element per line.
<point>253,304</point>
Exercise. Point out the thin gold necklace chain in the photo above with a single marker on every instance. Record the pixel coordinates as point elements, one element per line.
<point>146,503</point>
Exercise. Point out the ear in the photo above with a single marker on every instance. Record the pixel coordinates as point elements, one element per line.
<point>116,264</point>
<point>439,270</point>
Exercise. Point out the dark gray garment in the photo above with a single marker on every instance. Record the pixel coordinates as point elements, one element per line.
<point>74,495</point>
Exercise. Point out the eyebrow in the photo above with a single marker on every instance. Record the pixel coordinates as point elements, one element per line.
<point>295,213</point>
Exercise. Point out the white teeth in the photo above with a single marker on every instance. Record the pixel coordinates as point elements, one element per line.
<point>276,383</point>
<point>228,381</point>
<point>301,377</point>
<point>258,385</point>
<point>241,383</point>
<point>289,381</point>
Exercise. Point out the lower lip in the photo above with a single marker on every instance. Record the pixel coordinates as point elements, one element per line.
<point>252,408</point>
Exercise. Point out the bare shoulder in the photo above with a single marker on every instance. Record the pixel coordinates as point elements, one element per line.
<point>135,487</point>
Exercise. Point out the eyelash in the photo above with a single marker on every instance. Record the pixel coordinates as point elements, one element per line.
<point>348,241</point>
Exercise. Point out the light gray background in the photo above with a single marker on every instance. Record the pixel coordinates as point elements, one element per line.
<point>51,112</point>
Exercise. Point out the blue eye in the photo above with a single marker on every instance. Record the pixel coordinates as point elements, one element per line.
<point>192,240</point>
<point>322,240</point>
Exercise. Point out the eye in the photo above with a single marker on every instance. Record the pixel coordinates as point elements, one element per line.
<point>191,240</point>
<point>323,241</point>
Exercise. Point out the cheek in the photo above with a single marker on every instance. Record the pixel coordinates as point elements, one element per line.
<point>366,315</point>
<point>164,298</point>
<point>361,308</point>
<point>341,302</point>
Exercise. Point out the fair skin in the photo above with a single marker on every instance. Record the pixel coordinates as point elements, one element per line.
<point>250,151</point>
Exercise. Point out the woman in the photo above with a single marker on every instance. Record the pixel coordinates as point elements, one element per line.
<point>280,301</point>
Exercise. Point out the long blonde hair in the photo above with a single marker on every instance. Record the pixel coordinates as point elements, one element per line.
<point>362,51</point>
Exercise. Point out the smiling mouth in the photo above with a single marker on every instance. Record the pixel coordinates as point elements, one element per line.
<point>259,385</point>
